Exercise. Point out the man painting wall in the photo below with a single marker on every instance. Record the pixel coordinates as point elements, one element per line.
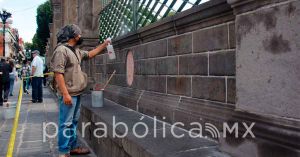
<point>70,82</point>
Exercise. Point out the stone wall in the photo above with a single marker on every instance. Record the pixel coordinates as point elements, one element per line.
<point>268,69</point>
<point>185,70</point>
<point>223,61</point>
<point>196,61</point>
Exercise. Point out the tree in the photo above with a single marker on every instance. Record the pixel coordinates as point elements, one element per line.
<point>171,13</point>
<point>43,18</point>
<point>29,46</point>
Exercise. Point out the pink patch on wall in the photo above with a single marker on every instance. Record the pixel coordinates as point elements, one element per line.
<point>129,68</point>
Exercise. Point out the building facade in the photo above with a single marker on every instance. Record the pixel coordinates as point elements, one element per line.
<point>11,40</point>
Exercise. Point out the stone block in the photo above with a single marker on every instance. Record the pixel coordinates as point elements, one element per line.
<point>100,69</point>
<point>222,63</point>
<point>268,60</point>
<point>195,64</point>
<point>209,39</point>
<point>120,68</point>
<point>160,66</point>
<point>232,35</point>
<point>105,146</point>
<point>169,145</point>
<point>200,153</point>
<point>140,82</point>
<point>149,67</point>
<point>99,59</point>
<point>112,92</point>
<point>180,45</point>
<point>231,90</point>
<point>179,85</point>
<point>183,117</point>
<point>151,83</point>
<point>156,49</point>
<point>139,52</point>
<point>127,97</point>
<point>118,152</point>
<point>119,79</point>
<point>151,50</point>
<point>162,144</point>
<point>210,88</point>
<point>144,67</point>
<point>160,105</point>
<point>99,78</point>
<point>166,66</point>
<point>157,84</point>
<point>203,111</point>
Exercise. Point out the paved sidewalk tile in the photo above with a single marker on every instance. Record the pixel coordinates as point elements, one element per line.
<point>29,140</point>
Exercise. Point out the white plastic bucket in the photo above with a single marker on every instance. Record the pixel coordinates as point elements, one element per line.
<point>97,98</point>
<point>9,110</point>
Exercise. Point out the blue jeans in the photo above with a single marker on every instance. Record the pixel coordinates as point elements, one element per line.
<point>25,85</point>
<point>68,120</point>
<point>11,82</point>
<point>37,88</point>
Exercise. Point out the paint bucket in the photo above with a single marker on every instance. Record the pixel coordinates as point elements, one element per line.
<point>97,98</point>
<point>97,95</point>
<point>9,110</point>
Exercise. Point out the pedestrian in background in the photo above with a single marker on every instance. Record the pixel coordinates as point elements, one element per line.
<point>37,67</point>
<point>45,76</point>
<point>29,80</point>
<point>5,69</point>
<point>13,76</point>
<point>25,73</point>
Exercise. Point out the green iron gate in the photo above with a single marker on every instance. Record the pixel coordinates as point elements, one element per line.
<point>122,16</point>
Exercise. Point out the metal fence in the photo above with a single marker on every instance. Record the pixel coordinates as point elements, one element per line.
<point>122,16</point>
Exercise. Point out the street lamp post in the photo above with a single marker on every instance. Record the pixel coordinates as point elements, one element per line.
<point>4,16</point>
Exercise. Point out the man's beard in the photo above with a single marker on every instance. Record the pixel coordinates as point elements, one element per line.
<point>79,42</point>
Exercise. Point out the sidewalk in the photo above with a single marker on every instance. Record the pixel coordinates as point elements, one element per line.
<point>29,140</point>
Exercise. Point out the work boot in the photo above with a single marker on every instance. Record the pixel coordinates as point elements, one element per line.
<point>80,151</point>
<point>65,155</point>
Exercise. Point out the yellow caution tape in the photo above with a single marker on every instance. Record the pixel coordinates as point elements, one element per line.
<point>51,73</point>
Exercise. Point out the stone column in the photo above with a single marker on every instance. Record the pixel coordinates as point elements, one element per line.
<point>96,10</point>
<point>85,17</point>
<point>88,11</point>
<point>267,56</point>
<point>57,19</point>
<point>88,18</point>
<point>50,45</point>
<point>70,8</point>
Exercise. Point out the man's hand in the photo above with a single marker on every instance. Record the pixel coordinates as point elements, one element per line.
<point>99,49</point>
<point>106,42</point>
<point>67,99</point>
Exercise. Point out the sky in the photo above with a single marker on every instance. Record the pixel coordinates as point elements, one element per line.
<point>23,16</point>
